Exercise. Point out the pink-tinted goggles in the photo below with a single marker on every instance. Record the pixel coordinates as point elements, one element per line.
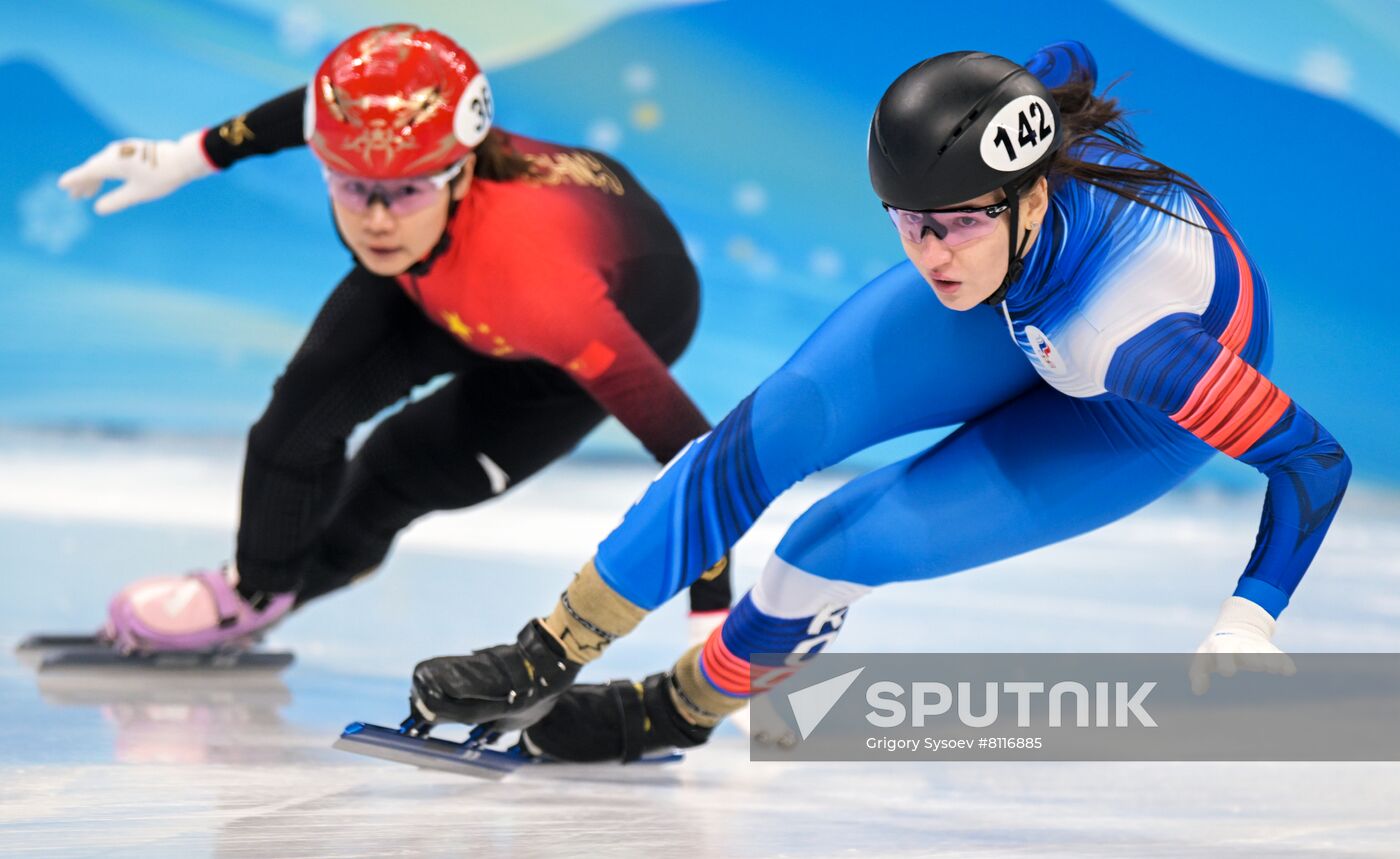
<point>400,196</point>
<point>953,227</point>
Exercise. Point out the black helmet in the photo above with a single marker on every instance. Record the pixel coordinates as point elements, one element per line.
<point>958,126</point>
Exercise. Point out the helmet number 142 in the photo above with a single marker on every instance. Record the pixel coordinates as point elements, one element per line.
<point>1032,126</point>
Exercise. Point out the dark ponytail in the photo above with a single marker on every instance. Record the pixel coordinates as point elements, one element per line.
<point>497,158</point>
<point>1087,118</point>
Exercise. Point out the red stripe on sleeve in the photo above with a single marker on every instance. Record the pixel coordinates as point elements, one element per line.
<point>1236,332</point>
<point>1206,389</point>
<point>1231,406</point>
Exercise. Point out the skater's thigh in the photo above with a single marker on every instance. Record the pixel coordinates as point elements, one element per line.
<point>1038,470</point>
<point>509,418</point>
<point>890,361</point>
<point>366,314</point>
<point>368,348</point>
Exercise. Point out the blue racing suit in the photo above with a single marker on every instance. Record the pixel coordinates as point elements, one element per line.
<point>1134,345</point>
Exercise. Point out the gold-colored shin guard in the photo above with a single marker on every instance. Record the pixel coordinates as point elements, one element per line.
<point>695,699</point>
<point>589,615</point>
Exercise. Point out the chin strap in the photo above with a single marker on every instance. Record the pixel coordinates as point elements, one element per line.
<point>444,241</point>
<point>1014,256</point>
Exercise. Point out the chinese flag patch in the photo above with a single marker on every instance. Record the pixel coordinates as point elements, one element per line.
<point>593,361</point>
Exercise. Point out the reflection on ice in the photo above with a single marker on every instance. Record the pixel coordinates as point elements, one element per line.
<point>180,717</point>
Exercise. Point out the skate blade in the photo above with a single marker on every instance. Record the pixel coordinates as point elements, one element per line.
<point>32,650</point>
<point>388,744</point>
<point>40,643</point>
<point>51,653</point>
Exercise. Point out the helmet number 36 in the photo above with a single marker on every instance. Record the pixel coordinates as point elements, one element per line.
<point>474,113</point>
<point>1020,133</point>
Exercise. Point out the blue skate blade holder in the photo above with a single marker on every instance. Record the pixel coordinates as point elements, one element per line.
<point>410,744</point>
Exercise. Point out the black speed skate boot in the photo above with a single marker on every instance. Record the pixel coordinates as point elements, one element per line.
<point>506,687</point>
<point>618,721</point>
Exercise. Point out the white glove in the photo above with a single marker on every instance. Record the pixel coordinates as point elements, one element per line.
<point>1239,641</point>
<point>148,170</point>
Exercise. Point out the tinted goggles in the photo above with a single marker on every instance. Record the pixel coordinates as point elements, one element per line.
<point>951,226</point>
<point>400,196</point>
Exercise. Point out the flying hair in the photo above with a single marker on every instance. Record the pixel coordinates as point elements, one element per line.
<point>1089,119</point>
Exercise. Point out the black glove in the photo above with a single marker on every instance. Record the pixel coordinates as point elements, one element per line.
<point>509,686</point>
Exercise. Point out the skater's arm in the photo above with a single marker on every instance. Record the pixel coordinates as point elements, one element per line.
<point>270,127</point>
<point>151,169</point>
<point>621,372</point>
<point>580,330</point>
<point>1177,367</point>
<point>601,350</point>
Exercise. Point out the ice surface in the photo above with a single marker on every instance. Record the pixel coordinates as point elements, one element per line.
<point>241,766</point>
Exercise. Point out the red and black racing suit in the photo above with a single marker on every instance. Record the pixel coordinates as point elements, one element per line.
<point>554,300</point>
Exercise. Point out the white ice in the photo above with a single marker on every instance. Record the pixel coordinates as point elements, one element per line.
<point>242,767</point>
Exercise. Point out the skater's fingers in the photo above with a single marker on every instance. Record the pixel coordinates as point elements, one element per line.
<point>1276,662</point>
<point>1200,673</point>
<point>112,161</point>
<point>1265,663</point>
<point>80,183</point>
<point>124,196</point>
<point>85,179</point>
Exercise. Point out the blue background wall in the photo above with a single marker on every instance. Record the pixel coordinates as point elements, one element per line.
<point>746,119</point>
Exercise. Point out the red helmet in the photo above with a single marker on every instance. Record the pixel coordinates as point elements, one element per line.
<point>395,102</point>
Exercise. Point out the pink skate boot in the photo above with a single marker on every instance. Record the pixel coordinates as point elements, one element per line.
<point>198,611</point>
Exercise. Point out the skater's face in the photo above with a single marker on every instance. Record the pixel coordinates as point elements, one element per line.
<point>389,242</point>
<point>965,274</point>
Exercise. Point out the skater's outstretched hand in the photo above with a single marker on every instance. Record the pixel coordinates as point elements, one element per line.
<point>147,169</point>
<point>1241,640</point>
